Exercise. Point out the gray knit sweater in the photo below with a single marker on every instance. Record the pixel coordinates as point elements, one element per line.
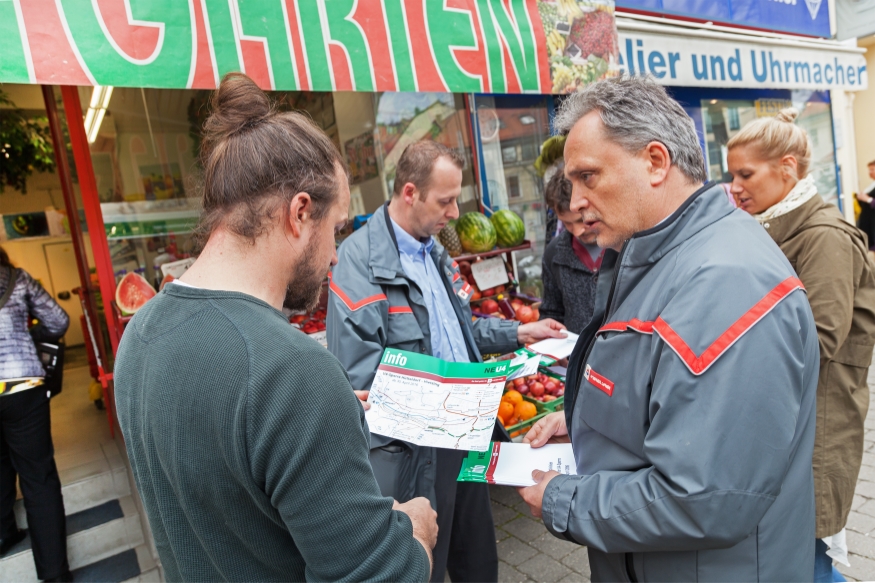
<point>250,450</point>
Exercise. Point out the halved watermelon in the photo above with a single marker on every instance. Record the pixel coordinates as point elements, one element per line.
<point>132,292</point>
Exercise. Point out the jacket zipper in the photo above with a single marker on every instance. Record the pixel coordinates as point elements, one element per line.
<point>589,348</point>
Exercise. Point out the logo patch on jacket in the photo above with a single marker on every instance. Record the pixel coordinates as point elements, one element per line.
<point>465,291</point>
<point>598,381</point>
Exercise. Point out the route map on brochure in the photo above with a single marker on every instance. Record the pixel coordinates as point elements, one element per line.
<point>427,401</point>
<point>511,464</point>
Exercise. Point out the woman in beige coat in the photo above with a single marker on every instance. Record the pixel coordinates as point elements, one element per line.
<point>769,160</point>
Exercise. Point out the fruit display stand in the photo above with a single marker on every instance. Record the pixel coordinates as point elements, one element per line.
<point>507,251</point>
<point>518,429</point>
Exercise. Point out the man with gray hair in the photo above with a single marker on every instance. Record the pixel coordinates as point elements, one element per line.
<point>690,398</point>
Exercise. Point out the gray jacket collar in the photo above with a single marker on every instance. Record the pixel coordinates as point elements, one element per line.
<point>703,208</point>
<point>384,259</point>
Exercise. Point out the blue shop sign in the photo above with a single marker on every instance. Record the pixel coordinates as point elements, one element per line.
<point>808,17</point>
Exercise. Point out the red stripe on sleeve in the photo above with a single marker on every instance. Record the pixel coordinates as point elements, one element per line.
<point>698,365</point>
<point>353,306</point>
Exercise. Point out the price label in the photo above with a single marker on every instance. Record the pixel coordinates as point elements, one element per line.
<point>489,273</point>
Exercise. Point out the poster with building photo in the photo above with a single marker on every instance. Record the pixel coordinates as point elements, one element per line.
<point>361,156</point>
<point>581,41</point>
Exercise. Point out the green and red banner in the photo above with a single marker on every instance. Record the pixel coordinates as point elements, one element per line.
<point>493,46</point>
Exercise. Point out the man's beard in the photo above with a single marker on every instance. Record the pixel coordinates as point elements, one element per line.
<point>304,290</point>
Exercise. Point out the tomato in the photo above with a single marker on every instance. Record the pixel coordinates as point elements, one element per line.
<point>525,314</point>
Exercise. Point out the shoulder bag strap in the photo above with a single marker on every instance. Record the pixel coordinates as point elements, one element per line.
<point>10,287</point>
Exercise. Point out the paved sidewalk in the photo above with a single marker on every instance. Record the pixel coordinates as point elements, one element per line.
<point>527,552</point>
<point>861,522</point>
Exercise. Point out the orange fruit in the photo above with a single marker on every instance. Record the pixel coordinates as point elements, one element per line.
<point>513,397</point>
<point>505,410</point>
<point>525,410</point>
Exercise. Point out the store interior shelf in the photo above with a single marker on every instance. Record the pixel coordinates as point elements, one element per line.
<point>498,251</point>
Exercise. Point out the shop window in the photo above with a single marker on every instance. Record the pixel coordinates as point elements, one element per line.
<point>512,129</point>
<point>734,120</point>
<point>401,119</point>
<point>145,145</point>
<point>513,187</point>
<point>722,119</point>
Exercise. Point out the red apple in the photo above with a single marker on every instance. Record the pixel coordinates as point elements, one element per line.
<point>518,382</point>
<point>488,292</point>
<point>523,390</point>
<point>551,387</point>
<point>489,306</point>
<point>536,389</point>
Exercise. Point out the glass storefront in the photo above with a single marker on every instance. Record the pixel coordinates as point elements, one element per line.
<point>511,130</point>
<point>719,115</point>
<point>144,146</point>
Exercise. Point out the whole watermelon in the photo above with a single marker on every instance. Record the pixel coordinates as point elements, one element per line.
<point>476,233</point>
<point>509,228</point>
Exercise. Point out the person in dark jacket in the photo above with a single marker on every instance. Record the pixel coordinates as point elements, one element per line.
<point>866,220</point>
<point>26,427</point>
<point>690,398</point>
<point>571,262</point>
<point>769,161</point>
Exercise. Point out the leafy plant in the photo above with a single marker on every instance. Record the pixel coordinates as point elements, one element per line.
<point>25,146</point>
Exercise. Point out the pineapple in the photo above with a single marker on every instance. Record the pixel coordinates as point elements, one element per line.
<point>449,238</point>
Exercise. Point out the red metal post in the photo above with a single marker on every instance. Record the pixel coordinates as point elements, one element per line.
<point>91,205</point>
<point>86,289</point>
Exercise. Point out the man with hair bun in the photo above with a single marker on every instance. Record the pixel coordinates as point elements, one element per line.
<point>769,161</point>
<point>690,395</point>
<point>249,468</point>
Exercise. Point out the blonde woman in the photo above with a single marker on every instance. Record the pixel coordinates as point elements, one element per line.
<point>769,162</point>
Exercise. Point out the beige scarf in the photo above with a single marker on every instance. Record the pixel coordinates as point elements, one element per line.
<point>804,191</point>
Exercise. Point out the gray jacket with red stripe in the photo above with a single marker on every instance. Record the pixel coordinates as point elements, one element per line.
<point>691,408</point>
<point>373,305</point>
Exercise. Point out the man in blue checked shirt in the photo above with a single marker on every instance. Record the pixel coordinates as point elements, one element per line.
<point>394,286</point>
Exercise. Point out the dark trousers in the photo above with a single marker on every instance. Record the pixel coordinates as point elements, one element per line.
<point>466,537</point>
<point>26,451</point>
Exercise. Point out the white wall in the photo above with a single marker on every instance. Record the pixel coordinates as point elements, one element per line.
<point>864,113</point>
